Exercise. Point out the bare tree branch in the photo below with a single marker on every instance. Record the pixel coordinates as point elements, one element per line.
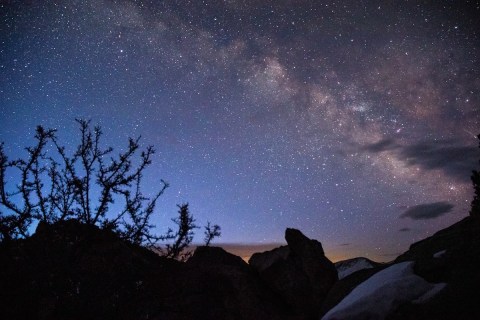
<point>55,186</point>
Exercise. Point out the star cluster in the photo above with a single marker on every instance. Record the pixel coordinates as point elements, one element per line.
<point>353,121</point>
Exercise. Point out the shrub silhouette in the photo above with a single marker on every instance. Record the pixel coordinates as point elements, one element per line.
<point>54,187</point>
<point>211,232</point>
<point>183,236</point>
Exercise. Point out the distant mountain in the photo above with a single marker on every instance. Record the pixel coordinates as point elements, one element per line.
<point>347,267</point>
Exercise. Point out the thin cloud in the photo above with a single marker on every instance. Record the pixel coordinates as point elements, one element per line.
<point>345,244</point>
<point>454,160</point>
<point>404,230</point>
<point>380,146</point>
<point>427,211</point>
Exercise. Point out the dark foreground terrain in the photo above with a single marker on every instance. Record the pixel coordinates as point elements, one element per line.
<point>74,271</point>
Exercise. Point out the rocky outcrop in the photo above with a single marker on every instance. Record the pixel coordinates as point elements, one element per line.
<point>262,260</point>
<point>74,271</point>
<point>223,286</point>
<point>451,255</point>
<point>300,273</point>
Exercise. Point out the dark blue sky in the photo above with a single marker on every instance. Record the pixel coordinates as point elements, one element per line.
<point>353,121</point>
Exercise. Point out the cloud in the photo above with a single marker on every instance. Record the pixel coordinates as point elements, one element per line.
<point>454,159</point>
<point>380,146</point>
<point>404,229</point>
<point>427,211</point>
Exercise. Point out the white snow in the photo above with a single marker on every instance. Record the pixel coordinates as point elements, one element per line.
<point>376,297</point>
<point>346,268</point>
<point>430,294</point>
<point>439,254</point>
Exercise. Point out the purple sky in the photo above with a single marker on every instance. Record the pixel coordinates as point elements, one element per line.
<point>353,121</point>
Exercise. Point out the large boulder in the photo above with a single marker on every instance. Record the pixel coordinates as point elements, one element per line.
<point>223,286</point>
<point>300,273</point>
<point>262,260</point>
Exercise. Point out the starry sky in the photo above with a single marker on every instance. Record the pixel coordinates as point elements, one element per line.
<point>353,121</point>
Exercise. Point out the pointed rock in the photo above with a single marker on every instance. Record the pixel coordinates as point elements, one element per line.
<point>299,272</point>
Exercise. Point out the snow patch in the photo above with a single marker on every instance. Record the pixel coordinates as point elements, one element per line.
<point>431,293</point>
<point>439,254</point>
<point>382,293</point>
<point>345,268</point>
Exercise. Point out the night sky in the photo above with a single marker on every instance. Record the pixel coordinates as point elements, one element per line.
<point>353,121</point>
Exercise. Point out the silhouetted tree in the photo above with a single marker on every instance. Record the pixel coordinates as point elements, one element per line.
<point>55,186</point>
<point>32,204</point>
<point>475,209</point>
<point>211,232</point>
<point>183,237</point>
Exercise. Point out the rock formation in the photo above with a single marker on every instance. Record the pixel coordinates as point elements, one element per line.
<point>69,270</point>
<point>299,272</point>
<point>74,271</point>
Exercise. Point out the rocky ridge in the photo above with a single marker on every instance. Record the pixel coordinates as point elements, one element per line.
<point>74,271</point>
<point>70,270</point>
<point>299,272</point>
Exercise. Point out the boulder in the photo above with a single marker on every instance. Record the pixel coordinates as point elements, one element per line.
<point>300,273</point>
<point>223,286</point>
<point>207,257</point>
<point>262,260</point>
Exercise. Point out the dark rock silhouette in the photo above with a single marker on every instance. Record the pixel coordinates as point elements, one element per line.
<point>262,260</point>
<point>300,273</point>
<point>70,270</point>
<point>75,271</point>
<point>223,286</point>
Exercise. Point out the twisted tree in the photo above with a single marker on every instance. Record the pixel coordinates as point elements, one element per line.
<point>55,186</point>
<point>211,232</point>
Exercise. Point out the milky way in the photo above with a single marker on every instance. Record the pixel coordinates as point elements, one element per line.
<point>353,121</point>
